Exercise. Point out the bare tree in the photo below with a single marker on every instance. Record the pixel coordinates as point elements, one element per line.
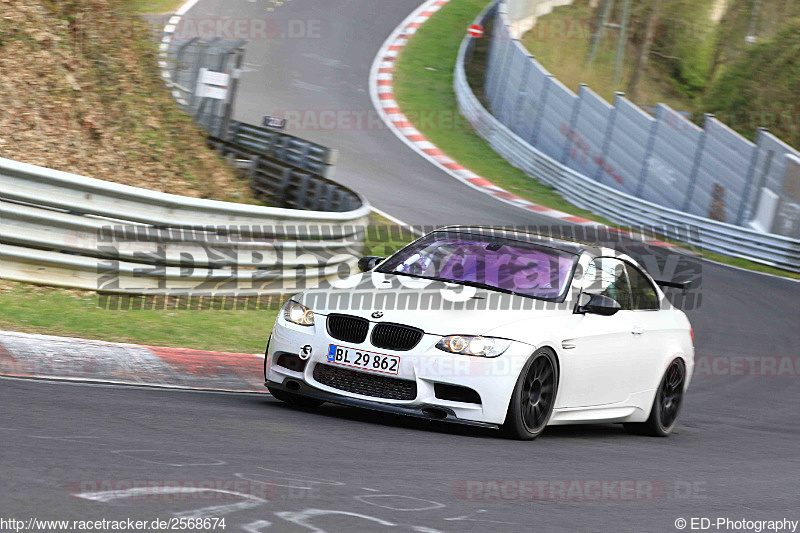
<point>644,50</point>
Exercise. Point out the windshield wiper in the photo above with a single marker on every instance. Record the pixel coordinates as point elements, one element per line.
<point>475,284</point>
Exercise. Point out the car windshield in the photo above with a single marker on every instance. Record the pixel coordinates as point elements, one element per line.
<point>491,262</point>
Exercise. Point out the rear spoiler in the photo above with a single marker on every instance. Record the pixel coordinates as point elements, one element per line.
<point>683,285</point>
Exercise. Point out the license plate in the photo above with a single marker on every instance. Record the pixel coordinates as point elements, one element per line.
<point>375,362</point>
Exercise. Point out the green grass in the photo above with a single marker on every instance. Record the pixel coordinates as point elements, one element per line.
<point>54,311</point>
<point>73,313</point>
<point>423,87</point>
<point>748,265</point>
<point>151,7</point>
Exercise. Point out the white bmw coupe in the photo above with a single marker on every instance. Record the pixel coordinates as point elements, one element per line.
<point>489,327</point>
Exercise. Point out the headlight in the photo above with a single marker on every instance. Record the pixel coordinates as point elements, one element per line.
<point>469,345</point>
<point>297,313</point>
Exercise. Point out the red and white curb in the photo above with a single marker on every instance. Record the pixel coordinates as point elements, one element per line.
<point>382,93</point>
<point>163,47</point>
<point>65,358</point>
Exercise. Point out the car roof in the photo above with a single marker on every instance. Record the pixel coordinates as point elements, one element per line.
<point>519,234</point>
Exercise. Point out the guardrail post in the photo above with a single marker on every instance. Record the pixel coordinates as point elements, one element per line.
<point>698,157</point>
<point>327,203</point>
<point>286,180</point>
<point>540,112</point>
<point>304,158</point>
<point>319,187</point>
<point>612,117</point>
<point>748,182</point>
<point>648,151</point>
<point>573,119</point>
<point>254,170</point>
<point>301,191</point>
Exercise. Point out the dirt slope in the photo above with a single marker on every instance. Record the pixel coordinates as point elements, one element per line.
<point>80,91</point>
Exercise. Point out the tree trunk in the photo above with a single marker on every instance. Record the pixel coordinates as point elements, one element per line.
<point>644,50</point>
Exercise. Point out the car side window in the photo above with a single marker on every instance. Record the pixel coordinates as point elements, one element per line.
<point>644,295</point>
<point>607,276</point>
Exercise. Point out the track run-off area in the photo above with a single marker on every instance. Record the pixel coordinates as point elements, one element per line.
<point>117,442</point>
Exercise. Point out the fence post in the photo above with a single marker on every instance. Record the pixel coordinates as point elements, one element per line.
<point>538,122</point>
<point>491,84</point>
<point>648,151</point>
<point>234,88</point>
<point>748,182</point>
<point>573,119</point>
<point>504,76</point>
<point>698,156</point>
<point>201,56</point>
<point>765,169</point>
<point>522,90</point>
<point>612,117</point>
<point>218,106</point>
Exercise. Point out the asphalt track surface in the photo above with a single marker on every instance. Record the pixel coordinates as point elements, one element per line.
<point>734,452</point>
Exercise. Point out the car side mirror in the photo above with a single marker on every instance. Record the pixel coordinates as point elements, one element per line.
<point>368,262</point>
<point>600,305</point>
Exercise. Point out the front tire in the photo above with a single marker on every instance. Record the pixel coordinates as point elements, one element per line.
<point>666,404</point>
<point>295,399</point>
<point>533,398</point>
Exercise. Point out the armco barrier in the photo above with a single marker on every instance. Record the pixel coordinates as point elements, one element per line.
<point>280,146</point>
<point>284,184</point>
<point>67,230</point>
<point>607,201</point>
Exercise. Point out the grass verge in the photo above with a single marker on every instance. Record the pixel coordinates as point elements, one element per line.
<point>423,87</point>
<point>73,313</point>
<point>156,7</point>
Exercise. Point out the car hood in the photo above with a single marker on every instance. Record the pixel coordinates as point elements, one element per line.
<point>432,306</point>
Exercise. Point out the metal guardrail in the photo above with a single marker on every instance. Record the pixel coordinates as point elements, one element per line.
<point>613,204</point>
<point>709,171</point>
<point>67,230</point>
<point>303,154</point>
<point>282,184</point>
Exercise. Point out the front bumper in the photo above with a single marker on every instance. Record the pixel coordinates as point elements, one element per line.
<point>428,367</point>
<point>430,412</point>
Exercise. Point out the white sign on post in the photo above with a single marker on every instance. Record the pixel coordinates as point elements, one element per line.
<point>211,84</point>
<point>219,79</point>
